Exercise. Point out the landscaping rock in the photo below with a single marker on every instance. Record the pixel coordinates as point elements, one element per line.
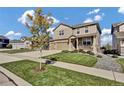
<point>108,63</point>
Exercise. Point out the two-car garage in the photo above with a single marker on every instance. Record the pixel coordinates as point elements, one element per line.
<point>59,45</point>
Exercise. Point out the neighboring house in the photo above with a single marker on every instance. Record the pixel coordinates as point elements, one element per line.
<point>84,36</point>
<point>18,44</point>
<point>4,41</point>
<point>117,32</point>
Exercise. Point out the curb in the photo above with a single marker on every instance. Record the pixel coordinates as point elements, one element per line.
<point>14,78</point>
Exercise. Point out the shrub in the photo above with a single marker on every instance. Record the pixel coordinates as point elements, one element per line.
<point>114,51</point>
<point>65,51</point>
<point>22,48</point>
<point>90,53</point>
<point>99,56</point>
<point>114,56</point>
<point>53,58</point>
<point>81,50</point>
<point>75,51</point>
<point>9,46</point>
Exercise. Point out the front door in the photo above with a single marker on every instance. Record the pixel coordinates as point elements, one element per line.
<point>74,46</point>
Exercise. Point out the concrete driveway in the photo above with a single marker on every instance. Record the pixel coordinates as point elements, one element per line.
<point>36,54</point>
<point>5,58</point>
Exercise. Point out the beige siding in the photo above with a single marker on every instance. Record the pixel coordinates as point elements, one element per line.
<point>122,50</point>
<point>121,28</point>
<point>67,32</point>
<point>91,29</point>
<point>61,43</point>
<point>98,41</point>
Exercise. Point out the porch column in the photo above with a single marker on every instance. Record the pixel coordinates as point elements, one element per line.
<point>69,44</point>
<point>77,43</point>
<point>94,45</point>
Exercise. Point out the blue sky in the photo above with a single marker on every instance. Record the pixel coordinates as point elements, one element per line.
<point>13,28</point>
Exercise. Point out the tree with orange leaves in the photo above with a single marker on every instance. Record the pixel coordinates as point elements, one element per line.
<point>38,26</point>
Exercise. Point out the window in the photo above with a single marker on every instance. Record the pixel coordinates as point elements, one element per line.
<point>86,29</point>
<point>123,42</point>
<point>1,40</point>
<point>6,41</point>
<point>87,41</point>
<point>78,32</point>
<point>61,32</point>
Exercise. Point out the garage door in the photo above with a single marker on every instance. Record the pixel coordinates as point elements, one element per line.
<point>62,45</point>
<point>52,46</point>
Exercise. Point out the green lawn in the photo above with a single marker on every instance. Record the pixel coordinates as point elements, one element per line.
<point>54,76</point>
<point>75,58</point>
<point>121,62</point>
<point>16,51</point>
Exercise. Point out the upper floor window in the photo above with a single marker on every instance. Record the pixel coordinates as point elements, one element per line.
<point>61,32</point>
<point>86,30</point>
<point>78,32</point>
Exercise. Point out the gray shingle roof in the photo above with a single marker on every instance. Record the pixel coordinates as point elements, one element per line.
<point>117,24</point>
<point>3,37</point>
<point>81,25</point>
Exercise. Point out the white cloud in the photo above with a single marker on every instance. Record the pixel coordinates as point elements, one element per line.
<point>23,19</point>
<point>55,21</point>
<point>95,11</point>
<point>13,35</point>
<point>97,18</point>
<point>106,36</point>
<point>88,20</point>
<point>9,33</point>
<point>18,34</point>
<point>106,31</point>
<point>51,31</point>
<point>121,10</point>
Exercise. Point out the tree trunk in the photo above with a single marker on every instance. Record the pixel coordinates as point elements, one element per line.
<point>41,58</point>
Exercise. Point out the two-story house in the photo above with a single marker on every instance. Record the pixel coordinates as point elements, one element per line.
<point>117,32</point>
<point>84,36</point>
<point>3,41</point>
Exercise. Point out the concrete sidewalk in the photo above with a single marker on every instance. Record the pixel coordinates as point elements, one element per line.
<point>92,71</point>
<point>17,80</point>
<point>79,68</point>
<point>111,75</point>
<point>5,81</point>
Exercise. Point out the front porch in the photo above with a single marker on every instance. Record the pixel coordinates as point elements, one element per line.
<point>120,45</point>
<point>85,43</point>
